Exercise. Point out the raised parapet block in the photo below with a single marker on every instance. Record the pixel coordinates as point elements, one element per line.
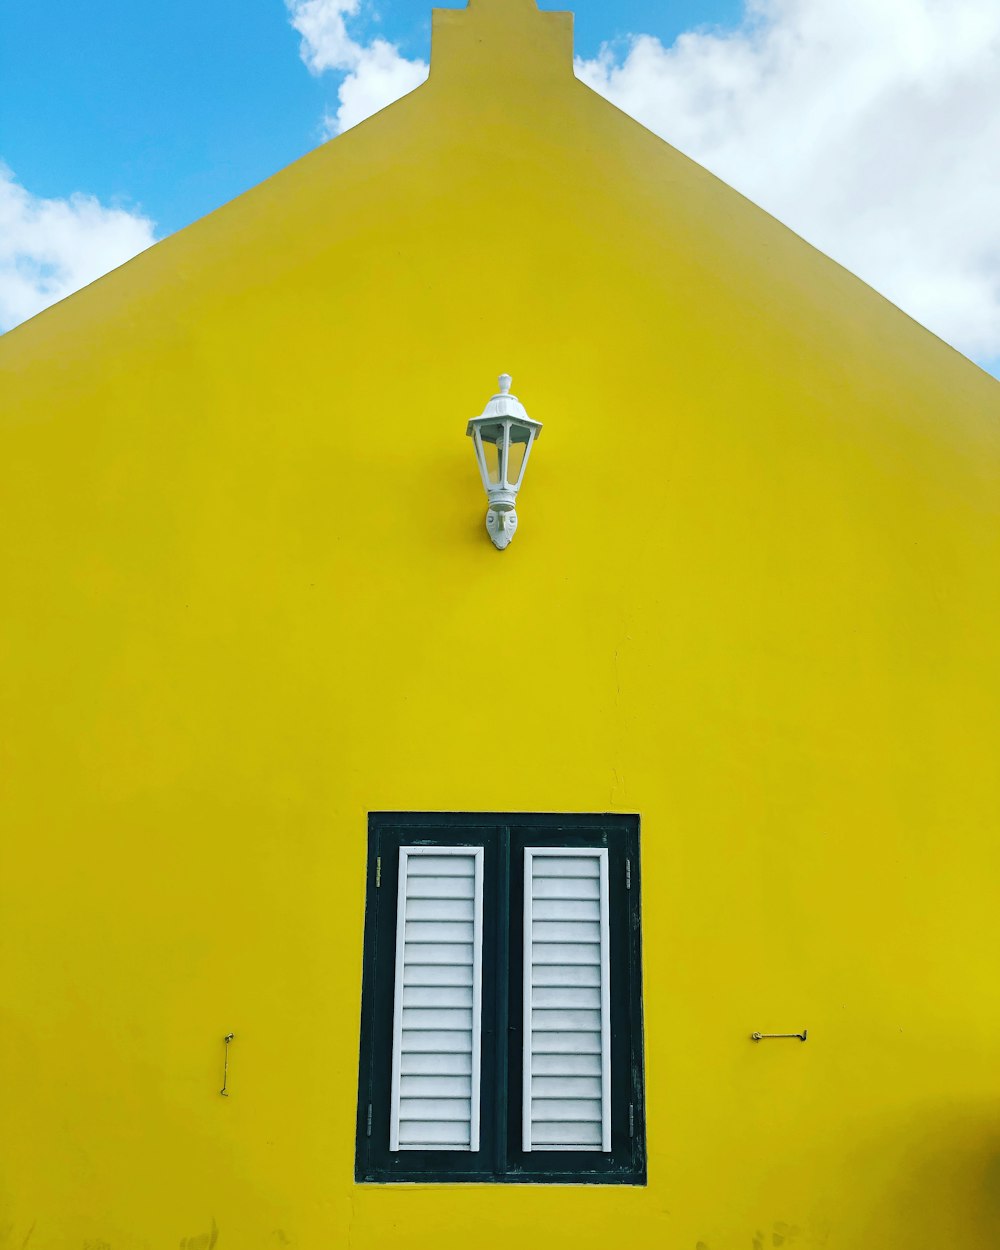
<point>510,37</point>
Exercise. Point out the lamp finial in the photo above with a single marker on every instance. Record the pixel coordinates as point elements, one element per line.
<point>505,380</point>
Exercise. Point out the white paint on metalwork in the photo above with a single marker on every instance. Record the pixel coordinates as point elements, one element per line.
<point>502,437</point>
<point>567,1000</point>
<point>437,1009</point>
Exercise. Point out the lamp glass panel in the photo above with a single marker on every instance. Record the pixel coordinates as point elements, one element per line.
<point>491,452</point>
<point>515,459</point>
<point>492,436</point>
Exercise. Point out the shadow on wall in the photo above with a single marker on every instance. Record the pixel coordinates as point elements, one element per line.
<point>939,1174</point>
<point>934,1183</point>
<point>203,1241</point>
<point>949,1171</point>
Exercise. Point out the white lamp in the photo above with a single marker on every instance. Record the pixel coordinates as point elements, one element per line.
<point>502,437</point>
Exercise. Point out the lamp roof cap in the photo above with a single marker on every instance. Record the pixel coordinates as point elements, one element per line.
<point>504,406</point>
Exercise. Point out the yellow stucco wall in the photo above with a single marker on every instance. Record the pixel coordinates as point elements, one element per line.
<point>248,597</point>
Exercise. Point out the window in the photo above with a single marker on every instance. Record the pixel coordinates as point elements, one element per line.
<point>501,1015</point>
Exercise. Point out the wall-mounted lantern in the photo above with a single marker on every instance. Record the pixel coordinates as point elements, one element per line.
<point>503,437</point>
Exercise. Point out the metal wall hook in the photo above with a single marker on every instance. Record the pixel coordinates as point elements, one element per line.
<point>225,1071</point>
<point>760,1037</point>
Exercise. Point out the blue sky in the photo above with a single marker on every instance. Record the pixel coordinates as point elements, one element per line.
<point>173,108</point>
<point>871,127</point>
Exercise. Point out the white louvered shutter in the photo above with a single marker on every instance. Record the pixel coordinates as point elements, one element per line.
<point>438,999</point>
<point>567,1004</point>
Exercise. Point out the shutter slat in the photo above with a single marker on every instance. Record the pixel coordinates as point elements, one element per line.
<point>565,931</point>
<point>566,909</point>
<point>446,908</point>
<point>566,1086</point>
<point>561,953</point>
<point>425,975</point>
<point>433,1134</point>
<point>559,1019</point>
<point>459,1018</point>
<point>571,1135</point>
<point>446,996</point>
<point>560,975</point>
<point>436,1063</point>
<point>575,889</point>
<point>547,1110</point>
<point>441,887</point>
<point>434,1100</point>
<point>437,1109</point>
<point>566,996</point>
<point>448,931</point>
<point>568,866</point>
<point>453,954</point>
<point>567,1034</point>
<point>424,863</point>
<point>432,1041</point>
<point>565,1065</point>
<point>544,1043</point>
<point>441,1087</point>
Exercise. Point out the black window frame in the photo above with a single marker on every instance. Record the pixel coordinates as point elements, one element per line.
<point>500,1159</point>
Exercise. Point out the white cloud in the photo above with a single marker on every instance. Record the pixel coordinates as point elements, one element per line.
<point>871,127</point>
<point>380,77</point>
<point>325,41</point>
<point>50,248</point>
<point>376,72</point>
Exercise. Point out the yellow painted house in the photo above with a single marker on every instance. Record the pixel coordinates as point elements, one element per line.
<point>492,863</point>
